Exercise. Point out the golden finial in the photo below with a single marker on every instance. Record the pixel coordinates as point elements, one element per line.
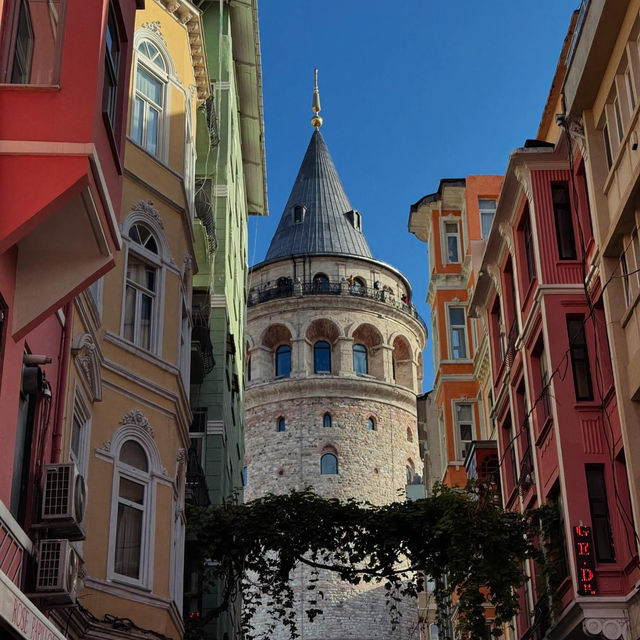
<point>316,121</point>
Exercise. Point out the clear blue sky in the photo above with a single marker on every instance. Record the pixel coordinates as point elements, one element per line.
<point>412,91</point>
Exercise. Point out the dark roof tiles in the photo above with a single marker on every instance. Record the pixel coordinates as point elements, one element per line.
<point>327,225</point>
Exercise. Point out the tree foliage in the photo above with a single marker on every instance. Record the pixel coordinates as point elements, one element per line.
<point>473,549</point>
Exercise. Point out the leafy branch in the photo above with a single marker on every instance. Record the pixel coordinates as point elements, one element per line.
<point>473,549</point>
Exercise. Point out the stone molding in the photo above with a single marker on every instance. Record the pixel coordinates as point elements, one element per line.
<point>87,361</point>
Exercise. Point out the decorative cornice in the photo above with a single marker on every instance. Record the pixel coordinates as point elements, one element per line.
<point>87,362</point>
<point>155,27</point>
<point>136,418</point>
<point>146,208</point>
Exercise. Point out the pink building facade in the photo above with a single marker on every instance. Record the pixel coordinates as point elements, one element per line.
<point>555,410</point>
<point>64,78</point>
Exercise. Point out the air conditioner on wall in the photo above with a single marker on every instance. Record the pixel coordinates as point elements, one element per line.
<point>57,574</point>
<point>64,501</point>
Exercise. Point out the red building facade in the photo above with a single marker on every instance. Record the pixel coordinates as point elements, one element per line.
<point>555,410</point>
<point>64,78</point>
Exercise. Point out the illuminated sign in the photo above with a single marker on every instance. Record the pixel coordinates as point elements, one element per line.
<point>585,561</point>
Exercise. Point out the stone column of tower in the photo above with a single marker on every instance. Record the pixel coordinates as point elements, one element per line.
<point>335,365</point>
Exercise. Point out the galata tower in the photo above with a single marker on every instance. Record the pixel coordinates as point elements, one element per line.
<point>334,350</point>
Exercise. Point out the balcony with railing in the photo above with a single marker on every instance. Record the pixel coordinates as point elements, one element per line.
<point>15,547</point>
<point>202,360</point>
<point>290,289</point>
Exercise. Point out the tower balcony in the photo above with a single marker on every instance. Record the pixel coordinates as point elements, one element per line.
<point>290,289</point>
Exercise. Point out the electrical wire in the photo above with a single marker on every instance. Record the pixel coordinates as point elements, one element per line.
<point>562,367</point>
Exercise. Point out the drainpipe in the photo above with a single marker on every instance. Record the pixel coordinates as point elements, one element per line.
<point>61,383</point>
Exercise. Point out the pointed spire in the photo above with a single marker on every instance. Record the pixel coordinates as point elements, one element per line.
<point>318,217</point>
<point>316,121</point>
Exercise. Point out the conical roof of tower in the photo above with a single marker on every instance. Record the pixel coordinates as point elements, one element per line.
<point>327,224</point>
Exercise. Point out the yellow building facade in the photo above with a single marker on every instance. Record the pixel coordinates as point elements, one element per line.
<point>127,409</point>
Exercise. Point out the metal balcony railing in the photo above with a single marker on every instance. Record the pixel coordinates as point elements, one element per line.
<point>290,289</point>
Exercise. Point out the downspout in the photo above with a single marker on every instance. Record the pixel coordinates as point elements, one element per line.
<point>61,384</point>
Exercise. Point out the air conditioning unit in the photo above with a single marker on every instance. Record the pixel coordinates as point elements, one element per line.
<point>64,501</point>
<point>57,575</point>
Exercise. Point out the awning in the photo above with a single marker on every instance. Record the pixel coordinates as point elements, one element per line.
<point>21,615</point>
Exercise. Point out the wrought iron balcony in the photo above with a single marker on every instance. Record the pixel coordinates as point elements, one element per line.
<point>290,289</point>
<point>196,492</point>
<point>202,360</point>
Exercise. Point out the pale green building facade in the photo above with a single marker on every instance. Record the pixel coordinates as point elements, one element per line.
<point>230,187</point>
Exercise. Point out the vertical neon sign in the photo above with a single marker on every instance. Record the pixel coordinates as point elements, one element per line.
<point>585,561</point>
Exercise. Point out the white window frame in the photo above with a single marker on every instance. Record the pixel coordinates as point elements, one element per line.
<point>445,235</point>
<point>184,343</point>
<point>153,260</point>
<point>459,442</point>
<point>135,430</point>
<point>80,416</point>
<point>450,327</point>
<point>484,212</point>
<point>189,159</point>
<point>149,217</point>
<point>165,77</point>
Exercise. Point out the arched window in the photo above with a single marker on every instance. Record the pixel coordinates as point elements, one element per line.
<point>142,286</point>
<point>409,434</point>
<point>326,420</point>
<point>132,511</point>
<point>298,214</point>
<point>359,286</point>
<point>411,472</point>
<point>283,361</point>
<point>281,424</point>
<point>322,357</point>
<point>371,424</point>
<point>147,108</point>
<point>329,464</point>
<point>360,360</point>
<point>320,283</point>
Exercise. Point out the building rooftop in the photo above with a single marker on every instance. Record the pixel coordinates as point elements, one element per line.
<point>318,217</point>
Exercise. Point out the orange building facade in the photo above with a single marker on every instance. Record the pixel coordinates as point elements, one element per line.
<point>453,222</point>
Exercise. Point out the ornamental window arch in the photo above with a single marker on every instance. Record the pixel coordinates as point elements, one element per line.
<point>147,258</point>
<point>137,469</point>
<point>276,342</point>
<point>322,334</point>
<point>153,69</point>
<point>367,351</point>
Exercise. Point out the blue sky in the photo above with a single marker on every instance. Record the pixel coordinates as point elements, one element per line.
<point>412,91</point>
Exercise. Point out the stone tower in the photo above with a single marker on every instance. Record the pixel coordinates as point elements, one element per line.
<point>334,350</point>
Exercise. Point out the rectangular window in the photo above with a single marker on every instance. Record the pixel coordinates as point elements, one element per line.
<point>564,221</point>
<point>557,540</point>
<point>457,333</point>
<point>624,270</point>
<point>630,90</point>
<point>619,127</point>
<point>545,392</point>
<point>636,254</point>
<point>607,146</point>
<point>32,31</point>
<point>579,358</point>
<point>464,428</point>
<point>111,68</point>
<point>140,296</point>
<point>487,213</point>
<point>452,242</point>
<point>599,508</point>
<point>527,241</point>
<point>198,433</point>
<point>128,548</point>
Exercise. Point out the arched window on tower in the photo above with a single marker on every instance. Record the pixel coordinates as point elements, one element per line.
<point>281,424</point>
<point>360,360</point>
<point>320,283</point>
<point>326,420</point>
<point>329,464</point>
<point>283,361</point>
<point>322,357</point>
<point>371,424</point>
